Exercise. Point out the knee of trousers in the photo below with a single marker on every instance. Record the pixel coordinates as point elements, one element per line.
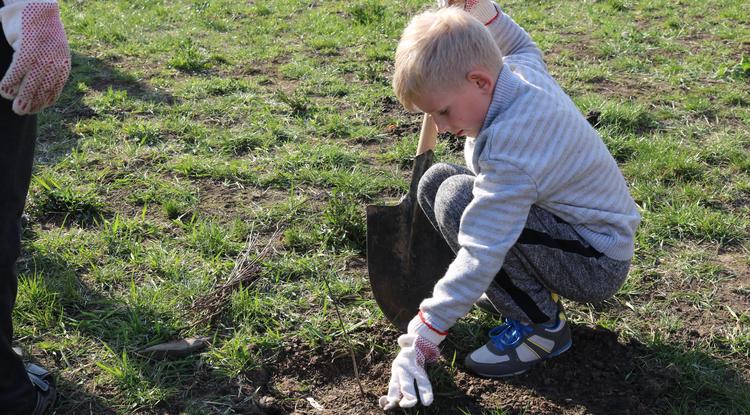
<point>430,182</point>
<point>453,196</point>
<point>451,200</point>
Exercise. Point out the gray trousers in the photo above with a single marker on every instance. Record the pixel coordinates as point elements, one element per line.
<point>548,257</point>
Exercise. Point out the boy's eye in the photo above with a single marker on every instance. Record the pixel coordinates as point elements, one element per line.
<point>444,112</point>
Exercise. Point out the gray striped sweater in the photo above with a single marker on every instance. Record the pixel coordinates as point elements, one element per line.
<point>535,148</point>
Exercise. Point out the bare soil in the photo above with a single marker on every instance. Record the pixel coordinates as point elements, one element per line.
<point>600,374</point>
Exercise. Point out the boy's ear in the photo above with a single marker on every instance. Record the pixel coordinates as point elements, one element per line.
<point>482,80</point>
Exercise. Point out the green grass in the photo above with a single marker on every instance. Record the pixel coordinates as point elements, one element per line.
<point>188,126</point>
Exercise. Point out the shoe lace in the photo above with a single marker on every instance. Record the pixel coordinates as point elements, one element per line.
<point>509,334</point>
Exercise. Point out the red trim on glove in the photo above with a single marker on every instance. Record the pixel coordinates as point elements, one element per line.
<point>494,18</point>
<point>429,326</point>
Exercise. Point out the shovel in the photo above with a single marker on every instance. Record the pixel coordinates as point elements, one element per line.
<point>406,255</point>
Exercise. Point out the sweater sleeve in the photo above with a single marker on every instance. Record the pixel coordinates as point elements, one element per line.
<point>513,40</point>
<point>490,225</point>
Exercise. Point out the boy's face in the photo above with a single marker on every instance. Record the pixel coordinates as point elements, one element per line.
<point>460,111</point>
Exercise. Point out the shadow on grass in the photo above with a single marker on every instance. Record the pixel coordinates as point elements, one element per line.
<point>57,136</point>
<point>71,399</point>
<point>113,330</point>
<point>605,376</point>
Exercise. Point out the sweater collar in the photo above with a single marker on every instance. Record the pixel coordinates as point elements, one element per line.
<point>506,89</point>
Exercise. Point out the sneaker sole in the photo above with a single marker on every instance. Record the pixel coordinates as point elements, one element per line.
<point>562,350</point>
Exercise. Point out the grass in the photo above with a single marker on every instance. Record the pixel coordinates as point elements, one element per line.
<point>187,126</point>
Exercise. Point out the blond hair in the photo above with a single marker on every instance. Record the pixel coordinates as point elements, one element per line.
<point>437,49</point>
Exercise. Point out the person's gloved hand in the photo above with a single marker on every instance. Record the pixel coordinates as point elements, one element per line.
<point>418,346</point>
<point>407,367</point>
<point>41,58</point>
<point>482,10</point>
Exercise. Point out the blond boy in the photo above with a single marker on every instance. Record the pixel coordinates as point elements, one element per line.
<point>540,211</point>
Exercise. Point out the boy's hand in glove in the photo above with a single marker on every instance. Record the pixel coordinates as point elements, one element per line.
<point>418,346</point>
<point>41,61</point>
<point>482,10</point>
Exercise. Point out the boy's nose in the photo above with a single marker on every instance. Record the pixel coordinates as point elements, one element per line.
<point>441,126</point>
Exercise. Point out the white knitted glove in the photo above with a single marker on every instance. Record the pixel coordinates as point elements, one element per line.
<point>407,367</point>
<point>41,58</point>
<point>482,10</point>
<point>418,346</point>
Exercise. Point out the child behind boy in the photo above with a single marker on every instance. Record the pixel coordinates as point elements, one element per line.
<point>542,209</point>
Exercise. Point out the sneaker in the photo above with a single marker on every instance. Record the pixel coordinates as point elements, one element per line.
<point>514,347</point>
<point>46,393</point>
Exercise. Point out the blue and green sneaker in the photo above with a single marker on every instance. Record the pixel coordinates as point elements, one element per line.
<point>514,347</point>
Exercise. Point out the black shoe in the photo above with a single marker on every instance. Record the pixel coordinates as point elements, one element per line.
<point>44,385</point>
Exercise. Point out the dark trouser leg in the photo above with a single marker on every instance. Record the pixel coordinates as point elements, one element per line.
<point>17,138</point>
<point>549,256</point>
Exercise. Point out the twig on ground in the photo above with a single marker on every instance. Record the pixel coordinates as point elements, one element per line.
<point>346,336</point>
<point>245,271</point>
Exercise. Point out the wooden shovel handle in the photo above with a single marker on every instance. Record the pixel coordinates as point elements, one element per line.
<point>427,136</point>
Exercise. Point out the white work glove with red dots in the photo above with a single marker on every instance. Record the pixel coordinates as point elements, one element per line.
<point>408,366</point>
<point>482,10</point>
<point>41,58</point>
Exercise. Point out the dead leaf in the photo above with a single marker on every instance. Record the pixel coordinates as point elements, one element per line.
<point>177,348</point>
<point>315,403</point>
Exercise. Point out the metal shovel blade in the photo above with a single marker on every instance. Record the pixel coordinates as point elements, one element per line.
<point>406,255</point>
